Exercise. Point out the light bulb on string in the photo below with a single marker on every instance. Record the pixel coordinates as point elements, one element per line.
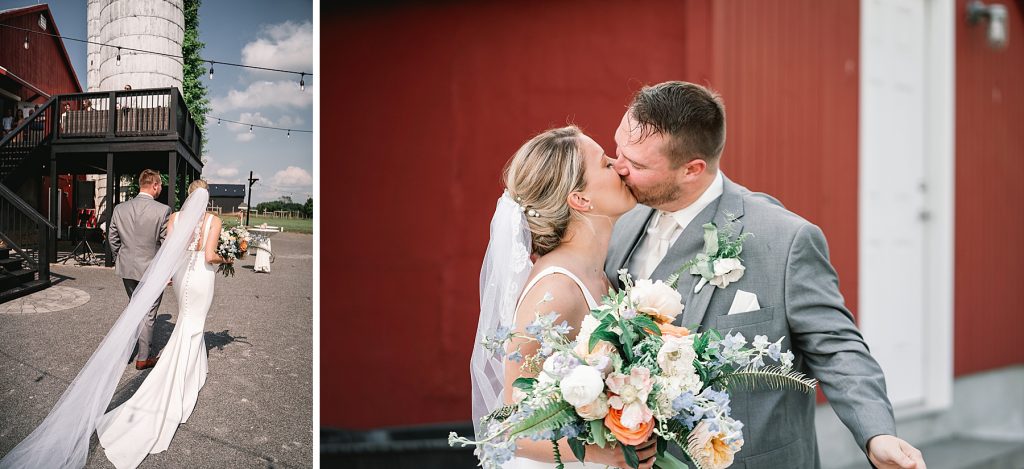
<point>302,82</point>
<point>289,133</point>
<point>119,56</point>
<point>218,121</point>
<point>211,70</point>
<point>250,128</point>
<point>26,42</point>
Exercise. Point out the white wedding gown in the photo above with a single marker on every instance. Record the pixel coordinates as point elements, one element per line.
<point>524,463</point>
<point>146,423</point>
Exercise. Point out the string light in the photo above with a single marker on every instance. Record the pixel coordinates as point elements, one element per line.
<point>211,70</point>
<point>302,84</point>
<point>252,126</point>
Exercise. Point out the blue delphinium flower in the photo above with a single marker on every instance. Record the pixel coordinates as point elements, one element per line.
<point>775,350</point>
<point>516,357</point>
<point>734,341</point>
<point>683,402</point>
<point>570,431</point>
<point>534,329</point>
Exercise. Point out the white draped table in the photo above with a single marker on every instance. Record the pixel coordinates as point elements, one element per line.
<point>261,244</point>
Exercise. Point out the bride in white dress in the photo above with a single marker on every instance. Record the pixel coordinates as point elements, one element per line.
<point>146,422</point>
<point>562,199</point>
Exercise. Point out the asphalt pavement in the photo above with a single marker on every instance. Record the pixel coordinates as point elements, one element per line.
<point>256,409</point>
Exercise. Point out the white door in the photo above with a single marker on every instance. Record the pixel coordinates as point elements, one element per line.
<point>893,212</point>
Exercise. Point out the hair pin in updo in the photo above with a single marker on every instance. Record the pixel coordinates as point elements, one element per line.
<point>523,207</point>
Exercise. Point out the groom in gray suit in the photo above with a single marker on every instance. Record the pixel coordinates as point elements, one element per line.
<point>669,144</point>
<point>137,228</point>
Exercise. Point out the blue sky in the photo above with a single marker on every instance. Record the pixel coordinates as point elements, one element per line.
<point>274,34</point>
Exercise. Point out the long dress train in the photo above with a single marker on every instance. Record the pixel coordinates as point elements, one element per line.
<point>146,423</point>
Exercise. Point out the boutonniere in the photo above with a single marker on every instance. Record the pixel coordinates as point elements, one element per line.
<point>720,263</point>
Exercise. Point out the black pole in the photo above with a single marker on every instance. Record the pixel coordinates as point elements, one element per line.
<point>248,205</point>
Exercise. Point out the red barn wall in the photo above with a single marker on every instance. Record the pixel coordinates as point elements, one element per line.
<point>430,101</point>
<point>43,64</point>
<point>989,299</point>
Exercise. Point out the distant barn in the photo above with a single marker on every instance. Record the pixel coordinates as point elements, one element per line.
<point>227,196</point>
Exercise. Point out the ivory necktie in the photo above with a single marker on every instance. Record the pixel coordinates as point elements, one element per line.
<point>660,237</point>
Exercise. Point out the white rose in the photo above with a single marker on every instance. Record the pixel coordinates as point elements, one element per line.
<point>727,271</point>
<point>657,299</point>
<point>594,410</point>
<point>676,355</point>
<point>588,327</point>
<point>582,385</point>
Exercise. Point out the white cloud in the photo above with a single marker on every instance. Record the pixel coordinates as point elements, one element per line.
<point>242,133</point>
<point>226,172</point>
<point>285,46</point>
<point>280,94</point>
<point>290,122</point>
<point>292,177</point>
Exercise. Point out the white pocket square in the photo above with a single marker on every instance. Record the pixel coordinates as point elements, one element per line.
<point>744,302</point>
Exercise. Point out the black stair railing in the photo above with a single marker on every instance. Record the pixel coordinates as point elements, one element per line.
<point>24,139</point>
<point>25,231</point>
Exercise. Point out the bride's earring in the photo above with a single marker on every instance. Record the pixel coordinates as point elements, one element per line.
<point>591,206</point>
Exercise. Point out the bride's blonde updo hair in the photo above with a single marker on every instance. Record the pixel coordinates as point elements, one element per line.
<point>197,184</point>
<point>540,177</point>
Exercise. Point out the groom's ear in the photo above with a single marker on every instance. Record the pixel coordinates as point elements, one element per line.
<point>695,167</point>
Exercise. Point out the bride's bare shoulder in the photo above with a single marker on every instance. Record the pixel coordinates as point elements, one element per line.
<point>553,292</point>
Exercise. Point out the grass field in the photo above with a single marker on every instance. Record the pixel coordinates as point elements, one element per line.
<point>291,225</point>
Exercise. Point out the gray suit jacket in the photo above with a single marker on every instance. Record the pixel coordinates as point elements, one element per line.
<point>137,228</point>
<point>787,267</point>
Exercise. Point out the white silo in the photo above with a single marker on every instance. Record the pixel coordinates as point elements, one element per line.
<point>150,25</point>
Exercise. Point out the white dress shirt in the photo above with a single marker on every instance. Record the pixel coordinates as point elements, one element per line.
<point>646,257</point>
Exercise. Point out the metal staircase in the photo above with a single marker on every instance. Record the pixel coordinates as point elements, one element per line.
<point>25,235</point>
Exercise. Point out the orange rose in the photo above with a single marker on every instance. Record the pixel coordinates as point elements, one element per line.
<point>626,436</point>
<point>673,331</point>
<point>244,245</point>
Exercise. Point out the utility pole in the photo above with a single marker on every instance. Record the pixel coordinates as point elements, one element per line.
<point>248,205</point>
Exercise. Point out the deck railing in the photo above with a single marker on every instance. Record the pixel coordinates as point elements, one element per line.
<point>157,112</point>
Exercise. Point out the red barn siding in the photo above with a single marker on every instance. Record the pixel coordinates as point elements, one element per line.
<point>989,223</point>
<point>789,76</point>
<point>45,64</point>
<point>430,101</point>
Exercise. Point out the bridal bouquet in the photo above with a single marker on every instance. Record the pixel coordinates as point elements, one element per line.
<point>628,375</point>
<point>233,244</point>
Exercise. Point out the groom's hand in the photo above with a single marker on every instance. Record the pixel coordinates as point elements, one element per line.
<point>887,451</point>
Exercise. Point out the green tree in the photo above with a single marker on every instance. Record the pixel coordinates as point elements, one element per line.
<point>307,208</point>
<point>193,89</point>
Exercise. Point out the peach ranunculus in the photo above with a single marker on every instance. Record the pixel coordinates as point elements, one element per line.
<point>658,300</point>
<point>594,410</point>
<point>673,331</point>
<point>627,435</point>
<point>710,449</point>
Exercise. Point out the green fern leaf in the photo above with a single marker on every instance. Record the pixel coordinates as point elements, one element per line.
<point>551,417</point>
<point>772,377</point>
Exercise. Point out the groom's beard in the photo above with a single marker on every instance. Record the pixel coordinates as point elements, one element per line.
<point>657,195</point>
